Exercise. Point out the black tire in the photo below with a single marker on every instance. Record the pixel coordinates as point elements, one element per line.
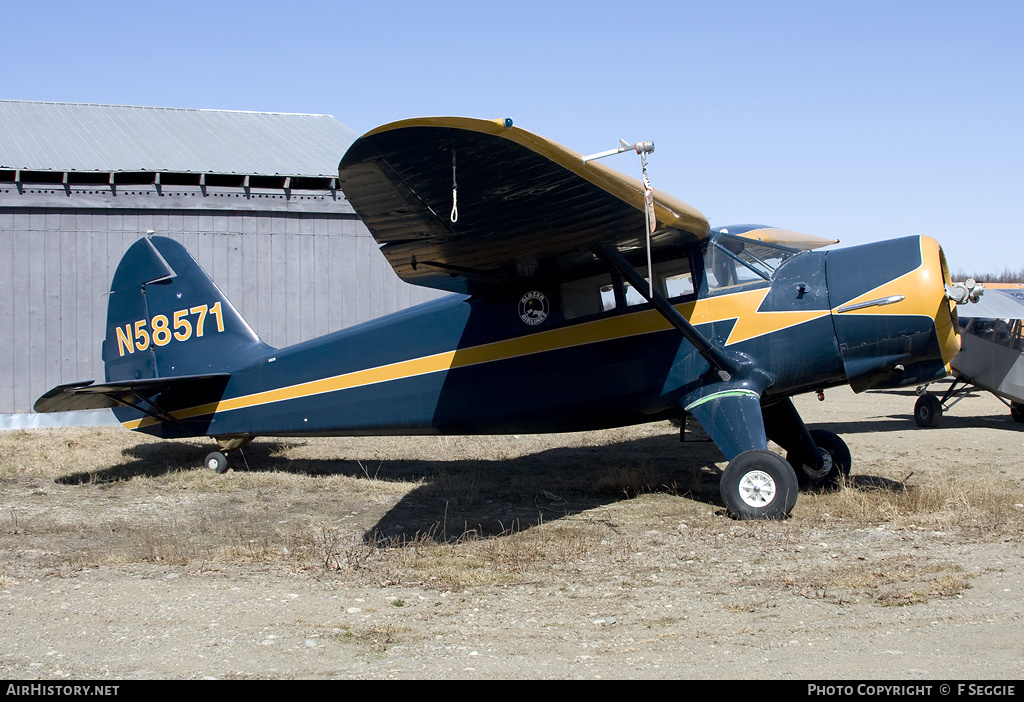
<point>837,468</point>
<point>759,484</point>
<point>928,411</point>
<point>1017,412</point>
<point>217,462</point>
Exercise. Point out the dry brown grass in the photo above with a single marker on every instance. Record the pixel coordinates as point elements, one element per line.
<point>988,505</point>
<point>612,508</point>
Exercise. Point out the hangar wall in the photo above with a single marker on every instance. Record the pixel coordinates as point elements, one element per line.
<point>296,264</point>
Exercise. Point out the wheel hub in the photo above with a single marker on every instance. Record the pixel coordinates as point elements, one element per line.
<point>826,465</point>
<point>757,488</point>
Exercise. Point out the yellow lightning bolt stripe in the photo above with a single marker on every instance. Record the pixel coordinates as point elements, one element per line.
<point>750,322</point>
<point>741,306</point>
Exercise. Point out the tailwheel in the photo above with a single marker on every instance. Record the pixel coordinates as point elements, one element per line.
<point>928,411</point>
<point>759,484</point>
<point>217,462</point>
<point>835,464</point>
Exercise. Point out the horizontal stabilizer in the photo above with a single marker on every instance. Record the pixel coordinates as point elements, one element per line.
<point>128,393</point>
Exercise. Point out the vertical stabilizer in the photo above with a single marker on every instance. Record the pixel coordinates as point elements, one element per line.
<point>166,317</point>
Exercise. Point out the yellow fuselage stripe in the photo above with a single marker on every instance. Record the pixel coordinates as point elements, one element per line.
<point>741,306</point>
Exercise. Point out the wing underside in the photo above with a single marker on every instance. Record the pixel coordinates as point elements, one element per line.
<point>458,203</point>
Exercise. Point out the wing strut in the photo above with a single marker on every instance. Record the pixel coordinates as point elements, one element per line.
<point>716,358</point>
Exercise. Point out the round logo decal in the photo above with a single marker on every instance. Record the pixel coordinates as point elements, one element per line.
<point>533,308</point>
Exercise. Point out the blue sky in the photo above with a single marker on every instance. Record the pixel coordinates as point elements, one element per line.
<point>859,121</point>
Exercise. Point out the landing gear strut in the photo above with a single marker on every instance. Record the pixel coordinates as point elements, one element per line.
<point>820,459</point>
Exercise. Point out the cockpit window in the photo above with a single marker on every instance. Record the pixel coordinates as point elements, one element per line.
<point>1005,332</point>
<point>730,261</point>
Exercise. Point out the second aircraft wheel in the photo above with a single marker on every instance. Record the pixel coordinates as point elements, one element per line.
<point>837,463</point>
<point>928,411</point>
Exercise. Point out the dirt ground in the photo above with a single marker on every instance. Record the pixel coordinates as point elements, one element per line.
<point>599,555</point>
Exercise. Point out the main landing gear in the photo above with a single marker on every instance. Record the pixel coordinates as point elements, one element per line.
<point>760,484</point>
<point>928,411</point>
<point>835,463</point>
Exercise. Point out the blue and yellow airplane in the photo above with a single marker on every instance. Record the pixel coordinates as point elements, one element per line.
<point>555,322</point>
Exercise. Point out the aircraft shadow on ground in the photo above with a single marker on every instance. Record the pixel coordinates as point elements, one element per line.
<point>959,416</point>
<point>458,498</point>
<point>905,422</point>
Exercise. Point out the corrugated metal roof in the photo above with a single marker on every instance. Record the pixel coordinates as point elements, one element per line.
<point>110,138</point>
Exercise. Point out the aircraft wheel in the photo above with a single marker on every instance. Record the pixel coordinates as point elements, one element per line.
<point>836,468</point>
<point>1017,412</point>
<point>217,462</point>
<point>759,484</point>
<point>928,411</point>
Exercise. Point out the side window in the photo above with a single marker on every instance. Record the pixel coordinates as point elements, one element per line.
<point>582,298</point>
<point>597,294</point>
<point>1005,332</point>
<point>633,297</point>
<point>675,278</point>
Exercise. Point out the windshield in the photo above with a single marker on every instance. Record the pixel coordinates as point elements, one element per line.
<point>731,260</point>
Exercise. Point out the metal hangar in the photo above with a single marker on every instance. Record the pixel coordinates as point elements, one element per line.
<point>253,194</point>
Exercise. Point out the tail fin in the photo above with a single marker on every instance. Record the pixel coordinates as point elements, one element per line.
<point>167,318</point>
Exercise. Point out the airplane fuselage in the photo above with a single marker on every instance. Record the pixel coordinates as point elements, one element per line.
<point>515,364</point>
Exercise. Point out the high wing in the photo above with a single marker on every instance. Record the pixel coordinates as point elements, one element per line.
<point>459,204</point>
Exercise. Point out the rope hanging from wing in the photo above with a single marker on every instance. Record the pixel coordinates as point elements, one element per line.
<point>643,148</point>
<point>455,193</point>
